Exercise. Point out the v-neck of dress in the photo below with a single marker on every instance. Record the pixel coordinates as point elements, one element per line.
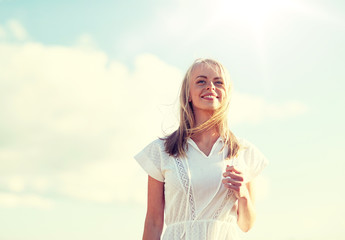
<point>191,141</point>
<point>196,209</point>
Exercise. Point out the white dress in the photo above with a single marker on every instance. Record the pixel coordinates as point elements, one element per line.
<point>197,205</point>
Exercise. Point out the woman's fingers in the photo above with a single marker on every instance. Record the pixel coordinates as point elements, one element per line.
<point>233,179</point>
<point>233,169</point>
<point>233,182</point>
<point>232,175</point>
<point>231,186</point>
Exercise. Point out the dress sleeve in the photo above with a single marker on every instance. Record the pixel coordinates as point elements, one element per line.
<point>150,159</point>
<point>255,161</point>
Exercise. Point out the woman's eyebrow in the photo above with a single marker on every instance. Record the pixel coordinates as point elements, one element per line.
<point>201,76</point>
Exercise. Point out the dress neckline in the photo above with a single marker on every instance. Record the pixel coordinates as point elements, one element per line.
<point>191,142</point>
<point>190,190</point>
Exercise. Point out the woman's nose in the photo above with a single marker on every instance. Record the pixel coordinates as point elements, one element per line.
<point>210,86</point>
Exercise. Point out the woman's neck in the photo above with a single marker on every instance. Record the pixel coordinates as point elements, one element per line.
<point>201,116</point>
<point>206,136</point>
<point>205,140</point>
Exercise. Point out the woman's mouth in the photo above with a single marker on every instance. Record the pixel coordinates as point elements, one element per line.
<point>209,97</point>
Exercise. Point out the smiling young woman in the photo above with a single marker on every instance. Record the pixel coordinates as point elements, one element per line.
<point>201,176</point>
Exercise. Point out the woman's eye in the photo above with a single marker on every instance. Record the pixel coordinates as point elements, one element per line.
<point>219,82</point>
<point>200,81</point>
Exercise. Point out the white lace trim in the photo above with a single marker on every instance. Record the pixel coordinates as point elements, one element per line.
<point>229,195</point>
<point>186,183</point>
<point>232,221</point>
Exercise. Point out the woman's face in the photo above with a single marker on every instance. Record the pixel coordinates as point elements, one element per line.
<point>206,87</point>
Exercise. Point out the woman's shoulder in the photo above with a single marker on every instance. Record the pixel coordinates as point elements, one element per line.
<point>245,145</point>
<point>254,159</point>
<point>155,147</point>
<point>156,143</point>
<point>248,148</point>
<point>152,159</point>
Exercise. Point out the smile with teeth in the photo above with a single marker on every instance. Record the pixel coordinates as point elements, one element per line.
<point>209,97</point>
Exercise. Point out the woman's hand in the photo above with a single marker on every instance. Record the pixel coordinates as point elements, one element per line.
<point>234,179</point>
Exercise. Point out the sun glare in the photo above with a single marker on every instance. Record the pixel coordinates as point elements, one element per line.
<point>251,12</point>
<point>258,14</point>
<point>256,18</point>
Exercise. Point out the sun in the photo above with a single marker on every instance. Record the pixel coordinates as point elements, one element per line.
<point>253,13</point>
<point>257,19</point>
<point>259,15</point>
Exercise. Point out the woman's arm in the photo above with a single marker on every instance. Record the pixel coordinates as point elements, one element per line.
<point>155,210</point>
<point>245,194</point>
<point>246,209</point>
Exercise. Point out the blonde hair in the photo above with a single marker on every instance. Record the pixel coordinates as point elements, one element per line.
<point>176,143</point>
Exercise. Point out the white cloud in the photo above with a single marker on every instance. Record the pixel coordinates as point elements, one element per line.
<point>9,154</point>
<point>262,185</point>
<point>103,181</point>
<point>2,33</point>
<point>16,183</point>
<point>65,99</point>
<point>25,200</point>
<point>86,41</point>
<point>17,30</point>
<point>40,183</point>
<point>252,109</point>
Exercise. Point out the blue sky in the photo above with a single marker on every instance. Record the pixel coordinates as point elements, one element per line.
<point>85,86</point>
